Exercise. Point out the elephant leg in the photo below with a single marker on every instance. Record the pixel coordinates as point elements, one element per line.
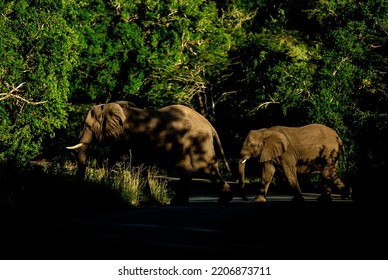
<point>225,193</point>
<point>292,178</point>
<point>81,172</point>
<point>267,173</point>
<point>325,196</point>
<point>331,180</point>
<point>146,192</point>
<point>182,190</point>
<point>327,186</point>
<point>241,179</point>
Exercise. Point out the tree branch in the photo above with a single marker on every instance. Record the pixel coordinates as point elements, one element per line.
<point>265,105</point>
<point>11,94</point>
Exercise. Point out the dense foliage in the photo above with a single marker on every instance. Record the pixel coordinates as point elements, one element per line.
<point>242,63</point>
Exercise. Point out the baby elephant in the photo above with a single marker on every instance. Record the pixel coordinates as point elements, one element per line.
<point>313,148</point>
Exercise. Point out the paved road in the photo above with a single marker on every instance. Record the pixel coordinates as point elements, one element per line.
<point>203,229</point>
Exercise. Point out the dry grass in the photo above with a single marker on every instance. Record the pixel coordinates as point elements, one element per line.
<point>129,181</point>
<point>55,186</point>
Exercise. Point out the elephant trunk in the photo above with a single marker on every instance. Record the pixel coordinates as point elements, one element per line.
<point>241,171</point>
<point>81,158</point>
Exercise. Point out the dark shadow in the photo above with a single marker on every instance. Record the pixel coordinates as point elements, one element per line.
<point>174,138</point>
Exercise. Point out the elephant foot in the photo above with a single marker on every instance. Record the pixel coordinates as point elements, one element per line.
<point>260,199</point>
<point>149,202</point>
<point>146,198</point>
<point>324,198</point>
<point>225,197</point>
<point>243,196</point>
<point>298,198</point>
<point>345,193</point>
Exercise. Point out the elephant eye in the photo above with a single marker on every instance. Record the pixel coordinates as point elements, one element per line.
<point>88,125</point>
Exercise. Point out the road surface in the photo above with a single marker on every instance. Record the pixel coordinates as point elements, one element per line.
<point>203,229</point>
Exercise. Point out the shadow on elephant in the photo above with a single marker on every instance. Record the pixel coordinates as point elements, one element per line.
<point>310,149</point>
<point>174,137</point>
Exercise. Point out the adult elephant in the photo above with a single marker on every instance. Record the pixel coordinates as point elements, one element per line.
<point>312,148</point>
<point>175,137</point>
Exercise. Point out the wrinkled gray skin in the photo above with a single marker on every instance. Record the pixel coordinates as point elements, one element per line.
<point>174,137</point>
<point>309,149</point>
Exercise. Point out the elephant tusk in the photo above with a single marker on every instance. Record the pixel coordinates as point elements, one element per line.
<point>75,146</point>
<point>243,161</point>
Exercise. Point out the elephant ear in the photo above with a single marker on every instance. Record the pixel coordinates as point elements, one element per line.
<point>113,120</point>
<point>93,121</point>
<point>274,145</point>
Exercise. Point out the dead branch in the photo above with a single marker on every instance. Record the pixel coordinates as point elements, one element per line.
<point>17,89</point>
<point>265,105</point>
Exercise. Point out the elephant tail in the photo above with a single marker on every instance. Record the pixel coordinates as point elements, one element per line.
<point>343,153</point>
<point>221,153</point>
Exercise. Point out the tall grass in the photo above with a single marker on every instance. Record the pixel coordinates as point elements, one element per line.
<point>129,181</point>
<point>55,187</point>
